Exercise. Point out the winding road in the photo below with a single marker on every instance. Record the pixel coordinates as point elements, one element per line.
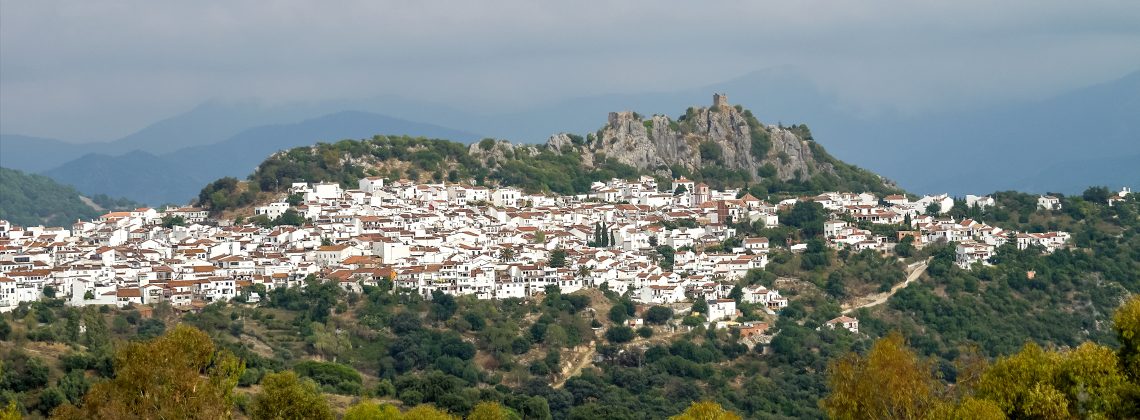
<point>913,272</point>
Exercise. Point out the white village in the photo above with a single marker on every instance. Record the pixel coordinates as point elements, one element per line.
<point>491,243</point>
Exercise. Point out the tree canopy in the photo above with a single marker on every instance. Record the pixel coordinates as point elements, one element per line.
<point>178,375</point>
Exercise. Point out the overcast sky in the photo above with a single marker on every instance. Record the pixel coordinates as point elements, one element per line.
<point>84,70</point>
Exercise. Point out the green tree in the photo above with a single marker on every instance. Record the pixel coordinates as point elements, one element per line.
<point>285,396</point>
<point>289,217</point>
<point>557,258</point>
<point>834,286</point>
<point>1083,382</point>
<point>507,254</point>
<point>368,410</point>
<point>1099,195</point>
<point>443,305</point>
<point>659,315</point>
<point>427,412</point>
<point>700,306</point>
<point>618,313</point>
<point>808,216</point>
<point>645,332</point>
<point>968,408</point>
<point>490,410</point>
<point>889,382</point>
<point>10,412</point>
<point>1126,323</point>
<point>619,334</point>
<point>816,255</point>
<point>905,248</point>
<point>933,209</point>
<point>171,221</point>
<point>179,375</point>
<point>668,255</point>
<point>705,410</point>
<point>711,152</point>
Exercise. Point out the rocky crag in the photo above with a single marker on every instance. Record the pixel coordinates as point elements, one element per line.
<point>719,135</point>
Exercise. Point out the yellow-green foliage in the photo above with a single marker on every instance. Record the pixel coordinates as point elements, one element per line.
<point>1127,325</point>
<point>179,375</point>
<point>285,396</point>
<point>889,382</point>
<point>367,410</point>
<point>705,410</point>
<point>1090,381</point>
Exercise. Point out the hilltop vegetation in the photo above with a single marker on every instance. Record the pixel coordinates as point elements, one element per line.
<point>767,160</point>
<point>32,200</point>
<point>427,160</point>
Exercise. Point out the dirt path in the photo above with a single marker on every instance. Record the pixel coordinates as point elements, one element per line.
<point>913,272</point>
<point>581,358</point>
<point>91,204</point>
<point>578,361</point>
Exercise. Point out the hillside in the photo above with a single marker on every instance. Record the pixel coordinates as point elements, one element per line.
<point>32,200</point>
<point>723,146</point>
<point>176,176</point>
<point>139,175</point>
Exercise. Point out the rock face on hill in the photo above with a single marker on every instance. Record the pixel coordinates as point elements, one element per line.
<point>720,135</point>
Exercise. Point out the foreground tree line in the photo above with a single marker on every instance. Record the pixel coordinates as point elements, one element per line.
<point>183,375</point>
<point>1089,381</point>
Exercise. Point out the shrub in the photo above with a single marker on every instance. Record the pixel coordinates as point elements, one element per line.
<point>619,334</point>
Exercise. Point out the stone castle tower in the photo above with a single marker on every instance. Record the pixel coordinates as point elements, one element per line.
<point>720,100</point>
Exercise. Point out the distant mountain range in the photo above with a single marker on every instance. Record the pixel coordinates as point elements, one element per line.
<point>1061,144</point>
<point>177,176</point>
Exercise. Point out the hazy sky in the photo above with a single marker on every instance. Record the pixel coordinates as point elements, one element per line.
<point>102,69</point>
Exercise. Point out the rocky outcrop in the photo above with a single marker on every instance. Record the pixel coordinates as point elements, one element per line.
<point>720,135</point>
<point>489,150</point>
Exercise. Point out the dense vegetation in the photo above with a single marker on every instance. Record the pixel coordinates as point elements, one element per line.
<point>417,159</point>
<point>33,200</point>
<point>1085,381</point>
<point>1058,298</point>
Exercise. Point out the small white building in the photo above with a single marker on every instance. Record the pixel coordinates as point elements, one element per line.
<point>505,197</point>
<point>844,321</point>
<point>721,310</point>
<point>371,184</point>
<point>272,211</point>
<point>982,201</point>
<point>1048,202</point>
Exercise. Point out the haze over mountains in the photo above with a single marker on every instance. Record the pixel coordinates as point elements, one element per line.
<point>1084,137</point>
<point>152,174</point>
